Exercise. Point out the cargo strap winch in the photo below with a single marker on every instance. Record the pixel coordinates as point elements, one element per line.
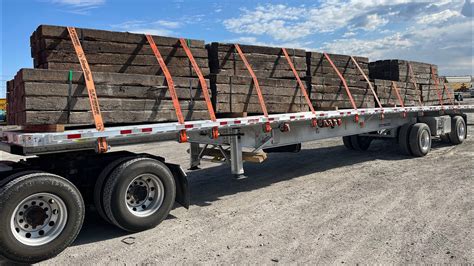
<point>267,127</point>
<point>102,145</point>
<point>376,97</point>
<point>169,81</point>
<point>343,80</point>
<point>301,85</point>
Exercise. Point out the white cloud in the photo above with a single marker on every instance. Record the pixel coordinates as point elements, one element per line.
<point>449,46</point>
<point>438,18</point>
<point>158,27</point>
<point>370,22</point>
<point>167,24</point>
<point>274,20</point>
<point>375,48</point>
<point>79,3</point>
<point>349,34</point>
<point>283,22</point>
<point>79,7</point>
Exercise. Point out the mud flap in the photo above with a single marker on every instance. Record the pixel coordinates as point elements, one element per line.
<point>182,188</point>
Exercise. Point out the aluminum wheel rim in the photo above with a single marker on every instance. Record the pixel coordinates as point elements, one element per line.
<point>461,131</point>
<point>425,140</point>
<point>145,195</point>
<point>39,219</point>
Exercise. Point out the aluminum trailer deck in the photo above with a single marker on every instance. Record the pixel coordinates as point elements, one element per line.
<point>42,199</point>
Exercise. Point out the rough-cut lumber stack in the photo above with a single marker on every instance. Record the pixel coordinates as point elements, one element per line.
<point>432,94</point>
<point>388,96</point>
<point>232,85</point>
<point>39,96</point>
<point>132,89</point>
<point>326,88</point>
<point>110,51</point>
<point>398,70</point>
<point>130,84</point>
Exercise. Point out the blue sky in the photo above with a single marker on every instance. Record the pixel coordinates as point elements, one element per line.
<point>439,32</point>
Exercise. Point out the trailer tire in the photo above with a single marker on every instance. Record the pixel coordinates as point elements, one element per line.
<point>403,138</point>
<point>9,178</point>
<point>139,194</point>
<point>347,142</point>
<point>361,143</point>
<point>59,222</point>
<point>420,139</point>
<point>458,130</point>
<point>99,186</point>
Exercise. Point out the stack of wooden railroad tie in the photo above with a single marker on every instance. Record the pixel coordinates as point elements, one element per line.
<point>130,84</point>
<point>132,89</point>
<point>423,75</point>
<point>234,90</point>
<point>326,88</point>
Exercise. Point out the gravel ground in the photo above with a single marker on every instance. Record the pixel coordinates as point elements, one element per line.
<point>322,205</point>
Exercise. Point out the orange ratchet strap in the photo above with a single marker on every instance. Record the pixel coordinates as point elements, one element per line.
<point>205,92</point>
<point>440,97</point>
<point>394,86</point>
<point>267,127</point>
<point>174,97</point>
<point>368,82</point>
<point>344,83</point>
<point>302,87</point>
<point>94,102</point>
<point>413,80</point>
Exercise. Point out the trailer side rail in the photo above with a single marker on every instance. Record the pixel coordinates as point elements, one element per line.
<point>169,130</point>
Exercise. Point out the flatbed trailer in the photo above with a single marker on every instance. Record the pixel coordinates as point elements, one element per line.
<point>43,198</point>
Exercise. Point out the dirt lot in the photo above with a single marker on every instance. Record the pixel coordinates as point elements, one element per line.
<point>322,205</point>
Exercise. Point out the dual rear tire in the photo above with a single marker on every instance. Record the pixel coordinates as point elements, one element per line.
<point>415,139</point>
<point>135,194</point>
<point>458,131</point>
<point>41,214</point>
